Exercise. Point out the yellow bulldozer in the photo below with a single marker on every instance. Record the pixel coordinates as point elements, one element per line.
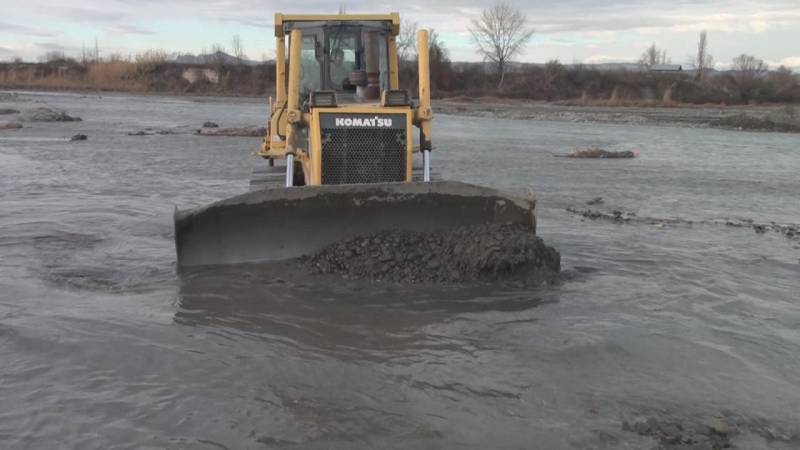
<point>339,158</point>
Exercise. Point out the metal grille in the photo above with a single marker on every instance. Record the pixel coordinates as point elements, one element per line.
<point>353,155</point>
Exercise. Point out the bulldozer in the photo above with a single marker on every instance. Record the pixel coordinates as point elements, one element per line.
<point>339,158</point>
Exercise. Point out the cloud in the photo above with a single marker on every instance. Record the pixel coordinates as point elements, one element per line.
<point>791,61</point>
<point>568,29</point>
<point>22,29</point>
<point>255,23</point>
<point>452,16</point>
<point>603,59</point>
<point>54,47</point>
<point>128,29</point>
<point>86,14</point>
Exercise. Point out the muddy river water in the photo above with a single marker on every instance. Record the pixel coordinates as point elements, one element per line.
<point>103,346</point>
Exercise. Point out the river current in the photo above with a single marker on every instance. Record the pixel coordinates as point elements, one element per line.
<point>675,316</point>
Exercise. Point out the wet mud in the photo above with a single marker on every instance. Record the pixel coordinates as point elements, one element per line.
<point>599,153</point>
<point>672,431</point>
<point>232,132</point>
<point>156,132</point>
<point>208,129</point>
<point>10,125</point>
<point>789,231</point>
<point>486,253</point>
<point>50,115</point>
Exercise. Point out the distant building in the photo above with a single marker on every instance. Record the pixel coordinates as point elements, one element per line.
<point>666,68</point>
<point>195,74</point>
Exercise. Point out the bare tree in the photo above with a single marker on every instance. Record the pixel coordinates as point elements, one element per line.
<point>749,72</point>
<point>749,66</point>
<point>53,56</point>
<point>782,78</point>
<point>237,48</point>
<point>218,56</point>
<point>407,41</point>
<point>439,62</point>
<point>499,35</point>
<point>653,56</point>
<point>342,8</point>
<point>703,62</point>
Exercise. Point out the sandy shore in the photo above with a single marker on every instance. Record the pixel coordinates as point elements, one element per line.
<point>684,115</point>
<point>693,116</point>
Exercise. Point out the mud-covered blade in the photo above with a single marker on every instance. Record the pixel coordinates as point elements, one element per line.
<point>277,224</point>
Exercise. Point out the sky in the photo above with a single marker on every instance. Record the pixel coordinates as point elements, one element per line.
<point>588,31</point>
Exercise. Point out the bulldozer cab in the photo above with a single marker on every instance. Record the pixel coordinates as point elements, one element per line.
<point>339,116</point>
<point>350,58</point>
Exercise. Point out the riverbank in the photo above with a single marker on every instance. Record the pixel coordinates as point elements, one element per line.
<point>681,115</point>
<point>763,117</point>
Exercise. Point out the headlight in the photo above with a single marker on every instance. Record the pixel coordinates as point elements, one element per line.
<point>323,99</point>
<point>395,98</point>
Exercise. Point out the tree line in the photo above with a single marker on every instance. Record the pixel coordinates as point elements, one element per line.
<point>501,33</point>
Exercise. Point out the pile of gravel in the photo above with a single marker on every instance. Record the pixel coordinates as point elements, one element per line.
<point>10,125</point>
<point>50,115</point>
<point>477,253</point>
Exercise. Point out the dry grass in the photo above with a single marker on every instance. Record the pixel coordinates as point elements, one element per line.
<point>114,75</point>
<point>617,101</point>
<point>45,82</point>
<point>146,72</point>
<point>107,75</point>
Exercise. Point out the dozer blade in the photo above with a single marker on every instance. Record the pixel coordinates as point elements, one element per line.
<point>284,223</point>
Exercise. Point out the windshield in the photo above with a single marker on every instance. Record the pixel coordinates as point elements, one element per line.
<point>349,59</point>
<point>342,59</point>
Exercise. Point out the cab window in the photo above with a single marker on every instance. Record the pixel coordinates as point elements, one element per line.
<point>310,66</point>
<point>342,59</point>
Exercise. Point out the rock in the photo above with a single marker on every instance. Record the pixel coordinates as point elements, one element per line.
<point>151,132</point>
<point>79,137</point>
<point>600,153</point>
<point>478,253</point>
<point>4,111</point>
<point>50,115</point>
<point>243,132</point>
<point>595,201</point>
<point>10,125</point>
<point>672,432</point>
<point>719,426</point>
<point>210,125</point>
